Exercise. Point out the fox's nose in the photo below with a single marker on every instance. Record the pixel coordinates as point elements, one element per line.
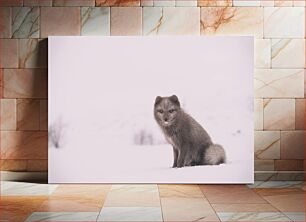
<point>166,119</point>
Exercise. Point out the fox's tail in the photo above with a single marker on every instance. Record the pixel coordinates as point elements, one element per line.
<point>214,155</point>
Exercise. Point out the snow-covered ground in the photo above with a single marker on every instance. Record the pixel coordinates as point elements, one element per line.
<point>114,162</point>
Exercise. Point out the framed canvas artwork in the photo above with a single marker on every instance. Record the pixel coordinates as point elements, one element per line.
<point>150,109</point>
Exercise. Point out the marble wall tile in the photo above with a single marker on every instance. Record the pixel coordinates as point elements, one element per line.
<point>277,184</point>
<point>63,216</point>
<point>254,216</point>
<point>232,21</point>
<point>267,3</point>
<point>215,3</point>
<point>289,165</point>
<point>187,209</point>
<point>230,194</point>
<point>95,21</point>
<point>163,3</point>
<point>305,83</point>
<point>279,83</point>
<point>1,83</point>
<point>43,114</point>
<point>278,22</point>
<point>25,83</point>
<point>171,21</point>
<point>126,21</point>
<point>8,114</point>
<point>279,176</point>
<point>258,114</point>
<point>221,20</point>
<point>28,114</point>
<point>25,22</point>
<point>146,2</point>
<point>300,114</point>
<point>13,165</point>
<point>8,53</point>
<point>279,3</point>
<point>4,3</point>
<point>288,53</point>
<point>24,145</point>
<point>5,22</point>
<point>246,2</point>
<point>37,2</point>
<point>73,2</point>
<point>292,145</point>
<point>262,53</point>
<point>51,17</point>
<point>130,214</point>
<point>37,165</point>
<point>118,2</point>
<point>267,145</point>
<point>33,53</point>
<point>299,3</point>
<point>262,165</point>
<point>186,3</point>
<point>279,114</point>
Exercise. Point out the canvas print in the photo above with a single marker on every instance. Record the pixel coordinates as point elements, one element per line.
<point>150,109</point>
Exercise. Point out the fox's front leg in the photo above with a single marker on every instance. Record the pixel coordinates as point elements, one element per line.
<point>181,158</point>
<point>189,161</point>
<point>175,155</point>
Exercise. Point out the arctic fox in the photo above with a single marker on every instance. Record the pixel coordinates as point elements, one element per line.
<point>191,143</point>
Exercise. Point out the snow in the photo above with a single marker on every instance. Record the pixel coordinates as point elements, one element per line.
<point>115,162</point>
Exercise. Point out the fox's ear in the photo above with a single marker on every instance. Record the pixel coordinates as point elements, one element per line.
<point>158,99</point>
<point>174,99</point>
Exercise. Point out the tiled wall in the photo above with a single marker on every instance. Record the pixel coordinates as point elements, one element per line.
<point>279,28</point>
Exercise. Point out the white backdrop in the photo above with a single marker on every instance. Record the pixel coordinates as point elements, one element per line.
<point>101,97</point>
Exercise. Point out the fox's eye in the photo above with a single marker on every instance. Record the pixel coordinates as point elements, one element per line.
<point>160,111</point>
<point>171,110</point>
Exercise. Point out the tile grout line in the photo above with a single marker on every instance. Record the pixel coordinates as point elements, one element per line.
<point>252,189</point>
<point>278,210</point>
<point>161,208</point>
<point>267,202</point>
<point>104,202</point>
<point>209,203</point>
